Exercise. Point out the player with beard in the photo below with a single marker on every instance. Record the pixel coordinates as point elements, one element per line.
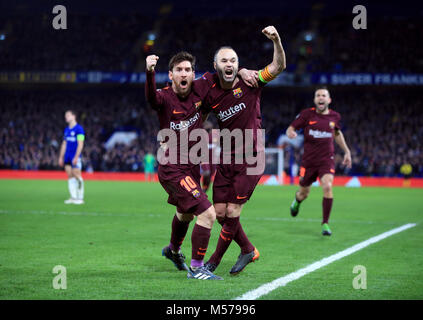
<point>237,106</point>
<point>321,127</point>
<point>177,107</point>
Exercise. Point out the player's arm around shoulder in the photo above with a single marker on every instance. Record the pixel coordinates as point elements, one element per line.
<point>203,84</point>
<point>278,63</point>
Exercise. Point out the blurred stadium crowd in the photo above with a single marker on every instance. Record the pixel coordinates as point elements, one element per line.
<point>384,130</point>
<point>383,127</point>
<point>118,43</point>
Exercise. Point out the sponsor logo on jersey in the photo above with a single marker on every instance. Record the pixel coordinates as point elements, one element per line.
<point>237,92</point>
<point>320,134</point>
<point>312,122</point>
<point>229,113</point>
<point>181,125</point>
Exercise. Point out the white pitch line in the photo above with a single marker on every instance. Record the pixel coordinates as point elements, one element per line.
<point>283,281</point>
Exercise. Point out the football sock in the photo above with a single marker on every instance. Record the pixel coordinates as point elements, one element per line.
<point>296,199</point>
<point>242,240</point>
<point>327,206</point>
<point>200,240</point>
<point>177,236</point>
<point>229,229</point>
<point>80,189</point>
<point>72,183</point>
<point>240,237</point>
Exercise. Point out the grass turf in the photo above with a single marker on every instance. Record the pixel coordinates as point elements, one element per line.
<point>111,246</point>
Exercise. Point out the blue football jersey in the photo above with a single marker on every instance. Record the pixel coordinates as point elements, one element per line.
<point>72,135</point>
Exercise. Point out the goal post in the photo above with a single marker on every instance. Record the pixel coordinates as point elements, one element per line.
<point>274,164</point>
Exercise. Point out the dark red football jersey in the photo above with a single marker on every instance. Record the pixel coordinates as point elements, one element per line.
<point>319,130</point>
<point>236,108</point>
<point>178,113</point>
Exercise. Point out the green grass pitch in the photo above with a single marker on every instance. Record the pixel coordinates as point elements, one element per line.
<point>111,246</point>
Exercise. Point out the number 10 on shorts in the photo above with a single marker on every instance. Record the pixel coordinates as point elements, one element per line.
<point>188,183</point>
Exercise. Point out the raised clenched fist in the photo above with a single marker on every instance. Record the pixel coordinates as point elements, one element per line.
<point>271,33</point>
<point>151,62</point>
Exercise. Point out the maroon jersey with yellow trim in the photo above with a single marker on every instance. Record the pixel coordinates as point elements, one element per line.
<point>178,113</point>
<point>319,130</point>
<point>236,108</point>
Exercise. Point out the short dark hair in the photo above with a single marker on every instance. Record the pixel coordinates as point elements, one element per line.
<point>71,111</point>
<point>321,87</point>
<point>181,57</point>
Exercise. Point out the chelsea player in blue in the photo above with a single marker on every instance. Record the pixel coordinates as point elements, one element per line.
<point>70,157</point>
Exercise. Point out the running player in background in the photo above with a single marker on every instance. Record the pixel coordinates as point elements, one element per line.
<point>70,157</point>
<point>321,127</point>
<point>237,106</point>
<point>208,169</point>
<point>178,108</point>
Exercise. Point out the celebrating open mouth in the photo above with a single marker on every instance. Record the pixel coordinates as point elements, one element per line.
<point>184,84</point>
<point>229,72</point>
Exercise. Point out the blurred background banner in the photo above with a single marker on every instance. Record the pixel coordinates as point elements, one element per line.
<point>285,79</point>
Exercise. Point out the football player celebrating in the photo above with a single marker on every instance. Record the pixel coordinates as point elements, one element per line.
<point>237,107</point>
<point>321,127</point>
<point>70,157</point>
<point>177,107</point>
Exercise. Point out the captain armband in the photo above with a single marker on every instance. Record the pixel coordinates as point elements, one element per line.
<point>265,76</point>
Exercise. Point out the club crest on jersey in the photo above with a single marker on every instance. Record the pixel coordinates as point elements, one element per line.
<point>237,92</point>
<point>332,124</point>
<point>198,104</point>
<point>196,193</point>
